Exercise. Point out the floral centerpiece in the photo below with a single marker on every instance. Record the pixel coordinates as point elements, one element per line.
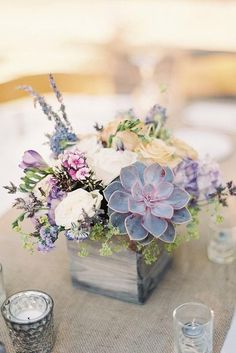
<point>130,185</point>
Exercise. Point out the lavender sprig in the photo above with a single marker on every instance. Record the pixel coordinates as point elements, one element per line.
<point>46,108</point>
<point>60,99</point>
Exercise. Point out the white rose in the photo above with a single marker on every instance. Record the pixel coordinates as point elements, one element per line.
<point>108,162</point>
<point>71,209</point>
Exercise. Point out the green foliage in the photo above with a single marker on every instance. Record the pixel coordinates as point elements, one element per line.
<point>132,125</point>
<point>83,250</point>
<point>32,177</point>
<point>111,241</point>
<point>157,130</point>
<point>106,249</point>
<point>27,242</point>
<point>150,252</point>
<point>192,231</point>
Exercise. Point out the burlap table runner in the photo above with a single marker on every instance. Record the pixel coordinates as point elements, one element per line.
<point>89,323</point>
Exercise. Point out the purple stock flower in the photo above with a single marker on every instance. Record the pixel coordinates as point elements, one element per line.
<point>186,176</point>
<point>198,177</point>
<point>145,204</point>
<point>209,177</point>
<point>32,159</point>
<point>54,198</point>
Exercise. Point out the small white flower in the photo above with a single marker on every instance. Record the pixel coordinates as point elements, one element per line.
<point>45,185</point>
<point>107,163</point>
<point>72,208</point>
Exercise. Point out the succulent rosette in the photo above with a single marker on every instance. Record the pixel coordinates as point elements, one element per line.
<point>145,203</point>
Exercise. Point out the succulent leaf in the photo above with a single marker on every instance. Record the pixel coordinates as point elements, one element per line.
<point>169,235</point>
<point>134,227</point>
<point>164,190</point>
<point>162,210</point>
<point>140,168</point>
<point>114,186</point>
<point>147,240</point>
<point>137,191</point>
<point>119,202</point>
<point>154,225</point>
<point>153,174</point>
<point>128,176</point>
<point>181,216</point>
<point>179,198</point>
<point>169,176</point>
<point>138,207</point>
<point>118,221</point>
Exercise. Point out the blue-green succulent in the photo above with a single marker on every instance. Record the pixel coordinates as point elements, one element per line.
<point>145,203</point>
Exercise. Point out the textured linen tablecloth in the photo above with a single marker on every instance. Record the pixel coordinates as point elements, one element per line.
<point>89,323</point>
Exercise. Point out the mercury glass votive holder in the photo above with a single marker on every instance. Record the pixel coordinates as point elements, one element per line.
<point>29,318</point>
<point>193,328</point>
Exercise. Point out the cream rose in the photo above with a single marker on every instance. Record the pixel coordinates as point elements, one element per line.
<point>72,208</point>
<point>183,150</point>
<point>108,162</point>
<point>157,151</point>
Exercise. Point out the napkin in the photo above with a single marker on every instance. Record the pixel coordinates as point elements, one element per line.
<point>230,341</point>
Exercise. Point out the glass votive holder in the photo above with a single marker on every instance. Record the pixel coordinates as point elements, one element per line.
<point>222,243</point>
<point>193,328</point>
<point>2,287</point>
<point>29,318</point>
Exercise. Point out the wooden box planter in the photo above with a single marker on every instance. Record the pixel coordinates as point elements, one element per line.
<point>124,276</point>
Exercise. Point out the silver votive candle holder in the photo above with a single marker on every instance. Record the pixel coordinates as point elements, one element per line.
<point>29,318</point>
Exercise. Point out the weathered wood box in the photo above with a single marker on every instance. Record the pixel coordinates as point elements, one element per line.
<point>124,276</point>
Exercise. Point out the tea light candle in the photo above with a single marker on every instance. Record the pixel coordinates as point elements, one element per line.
<point>31,314</point>
<point>193,329</point>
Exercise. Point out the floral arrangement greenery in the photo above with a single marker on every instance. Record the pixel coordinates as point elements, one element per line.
<point>131,184</point>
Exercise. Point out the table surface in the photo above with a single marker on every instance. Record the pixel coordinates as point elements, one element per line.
<point>89,323</point>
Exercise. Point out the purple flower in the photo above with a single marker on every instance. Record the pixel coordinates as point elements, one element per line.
<point>32,159</point>
<point>145,204</point>
<point>48,236</point>
<point>54,198</point>
<point>186,177</point>
<point>76,234</point>
<point>156,115</point>
<point>61,139</point>
<point>209,177</point>
<point>198,177</point>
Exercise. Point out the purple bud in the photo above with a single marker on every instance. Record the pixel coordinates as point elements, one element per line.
<point>32,159</point>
